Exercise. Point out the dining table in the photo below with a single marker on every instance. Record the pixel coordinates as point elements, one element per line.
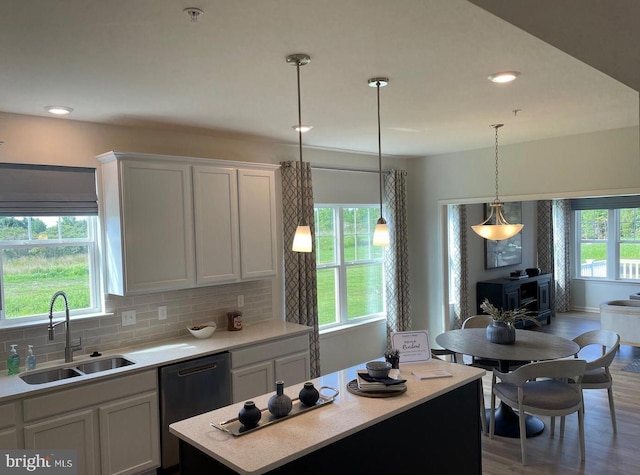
<point>530,345</point>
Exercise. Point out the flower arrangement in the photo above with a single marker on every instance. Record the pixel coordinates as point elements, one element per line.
<point>508,316</point>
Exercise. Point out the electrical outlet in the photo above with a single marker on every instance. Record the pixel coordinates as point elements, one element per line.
<point>162,313</point>
<point>128,317</point>
<point>240,300</point>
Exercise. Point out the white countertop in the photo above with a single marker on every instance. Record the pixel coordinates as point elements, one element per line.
<point>274,445</point>
<point>154,355</point>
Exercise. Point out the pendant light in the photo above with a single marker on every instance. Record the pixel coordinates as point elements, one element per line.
<point>302,240</point>
<point>500,229</point>
<point>381,233</point>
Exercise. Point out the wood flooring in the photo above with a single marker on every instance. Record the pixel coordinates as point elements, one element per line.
<point>606,452</point>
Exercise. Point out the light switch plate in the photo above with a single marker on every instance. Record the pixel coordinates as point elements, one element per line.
<point>162,313</point>
<point>240,300</point>
<point>128,317</point>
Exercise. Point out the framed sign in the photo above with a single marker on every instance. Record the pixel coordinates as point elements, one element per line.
<point>507,252</point>
<point>413,346</point>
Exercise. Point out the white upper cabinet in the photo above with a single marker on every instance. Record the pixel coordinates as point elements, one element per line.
<point>257,223</point>
<point>215,200</point>
<point>175,223</point>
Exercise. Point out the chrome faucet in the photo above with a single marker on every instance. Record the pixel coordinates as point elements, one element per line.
<point>68,349</point>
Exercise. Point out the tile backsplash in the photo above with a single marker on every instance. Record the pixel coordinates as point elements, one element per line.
<point>184,308</point>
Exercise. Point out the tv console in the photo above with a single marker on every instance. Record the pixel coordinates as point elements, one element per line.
<point>507,293</point>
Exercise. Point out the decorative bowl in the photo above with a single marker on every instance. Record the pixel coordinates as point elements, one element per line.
<point>378,369</point>
<point>204,330</point>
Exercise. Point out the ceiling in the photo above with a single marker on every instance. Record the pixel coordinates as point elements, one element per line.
<point>145,63</point>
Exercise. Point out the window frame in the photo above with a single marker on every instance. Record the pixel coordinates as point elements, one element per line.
<point>613,245</point>
<point>94,262</point>
<point>341,266</point>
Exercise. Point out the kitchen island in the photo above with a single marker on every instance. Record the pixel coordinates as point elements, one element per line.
<point>432,427</point>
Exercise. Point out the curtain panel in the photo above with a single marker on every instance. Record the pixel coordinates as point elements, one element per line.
<point>459,265</point>
<point>396,260</point>
<point>300,280</point>
<point>561,252</point>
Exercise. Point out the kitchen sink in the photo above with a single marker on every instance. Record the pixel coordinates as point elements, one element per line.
<point>50,375</point>
<point>88,367</point>
<point>103,364</point>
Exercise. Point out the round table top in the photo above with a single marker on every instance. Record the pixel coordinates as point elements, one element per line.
<point>529,345</point>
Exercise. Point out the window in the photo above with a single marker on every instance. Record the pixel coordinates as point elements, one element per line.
<point>608,243</point>
<point>41,255</point>
<point>349,267</point>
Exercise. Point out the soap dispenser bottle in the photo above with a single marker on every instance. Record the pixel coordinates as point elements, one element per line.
<point>13,362</point>
<point>31,359</point>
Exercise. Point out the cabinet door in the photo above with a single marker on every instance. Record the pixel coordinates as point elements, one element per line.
<point>544,296</point>
<point>512,297</point>
<point>157,228</point>
<point>8,431</point>
<point>293,369</point>
<point>215,200</point>
<point>130,435</point>
<point>252,381</point>
<point>73,431</point>
<point>256,193</point>
<point>9,438</point>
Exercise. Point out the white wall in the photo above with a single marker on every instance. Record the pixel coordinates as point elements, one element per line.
<point>60,141</point>
<point>594,164</point>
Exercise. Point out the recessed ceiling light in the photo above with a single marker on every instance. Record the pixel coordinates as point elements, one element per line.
<point>303,128</point>
<point>504,76</point>
<point>58,110</point>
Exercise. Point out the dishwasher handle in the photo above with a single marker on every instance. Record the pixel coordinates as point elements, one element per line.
<point>198,369</point>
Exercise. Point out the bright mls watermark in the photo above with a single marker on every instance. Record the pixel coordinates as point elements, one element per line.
<point>50,462</point>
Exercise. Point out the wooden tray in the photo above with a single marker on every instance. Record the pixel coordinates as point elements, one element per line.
<point>353,388</point>
<point>235,427</point>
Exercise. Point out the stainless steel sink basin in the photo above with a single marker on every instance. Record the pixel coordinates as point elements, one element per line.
<point>50,375</point>
<point>103,364</point>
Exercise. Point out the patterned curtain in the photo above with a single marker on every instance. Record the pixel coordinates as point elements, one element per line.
<point>300,280</point>
<point>545,236</point>
<point>459,265</point>
<point>396,260</point>
<point>561,247</point>
<point>554,241</point>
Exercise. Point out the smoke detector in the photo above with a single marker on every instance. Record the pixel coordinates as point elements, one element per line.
<point>194,13</point>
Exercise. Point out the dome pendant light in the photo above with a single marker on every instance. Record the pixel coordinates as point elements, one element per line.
<point>381,233</point>
<point>302,241</point>
<point>500,229</point>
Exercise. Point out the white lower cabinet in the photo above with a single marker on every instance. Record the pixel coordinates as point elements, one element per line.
<point>255,369</point>
<point>73,431</point>
<point>129,431</point>
<point>8,426</point>
<point>113,425</point>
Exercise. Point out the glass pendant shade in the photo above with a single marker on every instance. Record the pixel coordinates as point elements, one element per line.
<point>302,239</point>
<point>381,233</point>
<point>500,229</point>
<point>496,227</point>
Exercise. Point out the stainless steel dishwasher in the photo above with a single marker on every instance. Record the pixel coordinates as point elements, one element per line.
<point>187,389</point>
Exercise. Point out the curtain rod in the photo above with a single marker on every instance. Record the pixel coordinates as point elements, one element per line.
<point>360,170</point>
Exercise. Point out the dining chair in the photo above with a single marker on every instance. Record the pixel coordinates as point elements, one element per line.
<point>597,374</point>
<point>480,321</point>
<point>541,388</point>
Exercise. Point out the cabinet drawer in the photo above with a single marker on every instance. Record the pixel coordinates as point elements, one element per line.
<point>66,400</point>
<point>269,351</point>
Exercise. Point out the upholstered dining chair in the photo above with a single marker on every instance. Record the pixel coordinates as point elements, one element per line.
<point>541,388</point>
<point>596,373</point>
